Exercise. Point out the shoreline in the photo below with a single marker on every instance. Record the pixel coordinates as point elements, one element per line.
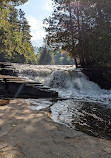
<point>25,133</point>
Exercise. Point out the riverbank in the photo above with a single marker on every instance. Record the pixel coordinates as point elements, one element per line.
<point>25,133</point>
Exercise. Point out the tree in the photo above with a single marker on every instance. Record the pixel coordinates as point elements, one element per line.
<point>82,28</point>
<point>15,38</point>
<point>44,56</point>
<point>13,2</point>
<point>65,25</point>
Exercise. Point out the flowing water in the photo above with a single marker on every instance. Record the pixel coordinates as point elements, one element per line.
<point>85,103</point>
<point>69,82</point>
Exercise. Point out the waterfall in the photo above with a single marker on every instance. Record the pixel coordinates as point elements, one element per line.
<point>68,81</point>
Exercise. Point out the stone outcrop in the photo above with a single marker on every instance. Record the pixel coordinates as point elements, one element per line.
<point>25,133</point>
<point>7,69</point>
<point>15,87</point>
<point>99,76</point>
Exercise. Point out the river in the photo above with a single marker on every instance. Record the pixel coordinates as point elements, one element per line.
<point>83,105</point>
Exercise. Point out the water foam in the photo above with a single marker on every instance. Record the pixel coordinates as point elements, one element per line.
<point>70,83</point>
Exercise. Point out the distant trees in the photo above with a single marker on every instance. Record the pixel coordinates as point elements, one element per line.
<point>46,57</point>
<point>82,28</point>
<point>62,59</point>
<point>15,38</point>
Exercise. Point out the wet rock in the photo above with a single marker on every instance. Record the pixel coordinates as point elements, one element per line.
<point>22,89</point>
<point>15,87</point>
<point>7,69</point>
<point>88,117</point>
<point>95,120</point>
<point>99,76</point>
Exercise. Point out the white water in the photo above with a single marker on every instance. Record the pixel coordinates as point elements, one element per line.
<point>69,82</point>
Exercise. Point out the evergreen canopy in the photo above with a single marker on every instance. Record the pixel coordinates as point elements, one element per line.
<point>82,28</point>
<point>15,38</point>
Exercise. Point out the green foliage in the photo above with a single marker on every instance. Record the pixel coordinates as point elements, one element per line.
<point>13,2</point>
<point>44,56</point>
<point>62,59</point>
<point>15,44</point>
<point>82,28</point>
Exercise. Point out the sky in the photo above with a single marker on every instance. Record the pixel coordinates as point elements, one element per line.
<point>35,12</point>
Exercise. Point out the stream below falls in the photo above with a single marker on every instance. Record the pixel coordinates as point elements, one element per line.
<point>83,105</point>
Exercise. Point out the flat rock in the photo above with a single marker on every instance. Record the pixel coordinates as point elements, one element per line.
<point>35,135</point>
<point>15,87</point>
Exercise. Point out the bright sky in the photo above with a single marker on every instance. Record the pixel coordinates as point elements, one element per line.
<point>35,12</point>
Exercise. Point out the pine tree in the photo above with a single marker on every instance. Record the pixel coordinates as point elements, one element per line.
<point>15,38</point>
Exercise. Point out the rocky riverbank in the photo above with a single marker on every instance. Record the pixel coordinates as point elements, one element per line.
<point>12,86</point>
<point>25,133</point>
<point>28,132</point>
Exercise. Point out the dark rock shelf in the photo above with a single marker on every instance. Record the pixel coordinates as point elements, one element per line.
<point>15,87</point>
<point>100,76</point>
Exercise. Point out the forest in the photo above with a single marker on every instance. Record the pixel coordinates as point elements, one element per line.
<point>15,38</point>
<point>83,29</point>
<point>47,57</point>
